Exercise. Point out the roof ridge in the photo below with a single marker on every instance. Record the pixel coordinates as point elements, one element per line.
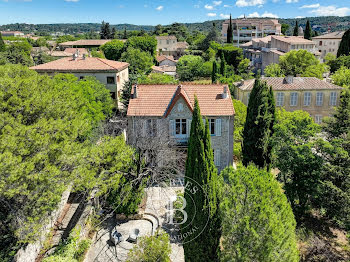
<point>100,59</point>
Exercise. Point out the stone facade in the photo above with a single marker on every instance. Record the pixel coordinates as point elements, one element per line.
<point>328,43</point>
<point>221,140</point>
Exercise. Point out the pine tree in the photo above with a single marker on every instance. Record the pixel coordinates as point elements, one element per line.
<point>222,64</point>
<point>258,128</point>
<point>102,31</point>
<point>296,28</point>
<point>344,46</point>
<point>214,72</point>
<point>308,31</point>
<point>2,44</point>
<point>113,35</point>
<point>230,32</point>
<point>200,206</point>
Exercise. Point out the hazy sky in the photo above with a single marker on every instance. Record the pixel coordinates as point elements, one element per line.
<point>146,12</point>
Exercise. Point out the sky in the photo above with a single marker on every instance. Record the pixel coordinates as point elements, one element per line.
<point>147,12</point>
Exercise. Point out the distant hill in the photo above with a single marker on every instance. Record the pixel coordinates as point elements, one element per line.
<point>320,24</point>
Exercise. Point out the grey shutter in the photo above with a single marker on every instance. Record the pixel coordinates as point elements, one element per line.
<point>172,128</point>
<point>188,127</point>
<point>218,127</point>
<point>217,157</point>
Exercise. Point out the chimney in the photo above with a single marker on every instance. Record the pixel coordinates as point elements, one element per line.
<point>289,79</point>
<point>84,56</point>
<point>241,82</point>
<point>74,57</point>
<point>225,93</point>
<point>135,92</point>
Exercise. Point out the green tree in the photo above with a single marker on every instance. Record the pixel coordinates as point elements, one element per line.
<point>315,71</point>
<point>140,62</point>
<point>2,44</point>
<point>213,35</point>
<point>336,64</point>
<point>156,79</point>
<point>257,220</point>
<point>201,206</point>
<point>299,166</point>
<point>105,32</point>
<point>189,67</point>
<point>150,249</point>
<point>296,29</point>
<point>222,64</point>
<point>296,62</point>
<point>239,121</point>
<point>144,43</point>
<point>113,50</point>
<point>258,127</point>
<point>344,46</point>
<point>214,72</point>
<point>18,53</point>
<point>230,32</point>
<point>233,55</point>
<point>284,28</point>
<point>308,31</point>
<point>342,77</point>
<point>335,188</point>
<point>273,70</point>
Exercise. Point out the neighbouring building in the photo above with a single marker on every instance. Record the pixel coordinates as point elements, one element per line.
<point>168,46</point>
<point>68,52</point>
<point>84,43</point>
<point>328,43</point>
<point>165,69</point>
<point>265,51</point>
<point>12,33</point>
<point>166,60</point>
<point>112,74</point>
<point>246,29</point>
<point>166,110</point>
<point>315,96</point>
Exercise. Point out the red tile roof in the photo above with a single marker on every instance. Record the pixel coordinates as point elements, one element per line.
<point>156,100</point>
<point>299,83</point>
<point>164,57</point>
<point>89,64</point>
<point>86,42</point>
<point>334,35</point>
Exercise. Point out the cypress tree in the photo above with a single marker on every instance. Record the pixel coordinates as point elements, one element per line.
<point>308,31</point>
<point>344,46</point>
<point>213,72</point>
<point>2,44</point>
<point>222,64</point>
<point>230,32</point>
<point>125,36</point>
<point>201,206</point>
<point>113,33</point>
<point>258,128</point>
<point>296,28</point>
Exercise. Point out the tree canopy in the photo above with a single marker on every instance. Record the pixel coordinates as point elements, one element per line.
<point>140,62</point>
<point>344,46</point>
<point>113,50</point>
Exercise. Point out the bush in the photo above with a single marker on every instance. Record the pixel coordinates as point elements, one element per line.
<point>113,50</point>
<point>189,67</point>
<point>151,249</point>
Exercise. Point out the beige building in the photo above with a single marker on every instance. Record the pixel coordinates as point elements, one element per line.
<point>265,51</point>
<point>315,96</point>
<point>163,60</point>
<point>112,74</point>
<point>168,46</point>
<point>166,110</point>
<point>328,43</point>
<point>12,33</point>
<point>85,43</point>
<point>246,29</point>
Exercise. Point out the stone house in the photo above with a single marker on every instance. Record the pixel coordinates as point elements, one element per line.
<point>166,60</point>
<point>169,46</point>
<point>328,43</point>
<point>166,110</point>
<point>112,74</point>
<point>315,96</point>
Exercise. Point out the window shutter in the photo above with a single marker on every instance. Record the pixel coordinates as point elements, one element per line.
<point>172,128</point>
<point>218,127</point>
<point>188,126</point>
<point>217,157</point>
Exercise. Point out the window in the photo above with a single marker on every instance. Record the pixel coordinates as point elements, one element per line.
<point>110,80</point>
<point>294,99</point>
<point>212,126</point>
<point>333,99</point>
<point>217,157</point>
<point>81,78</point>
<point>318,119</point>
<point>180,127</point>
<point>167,42</point>
<point>307,99</point>
<point>280,99</point>
<point>112,95</point>
<point>320,43</point>
<point>152,127</point>
<point>319,99</point>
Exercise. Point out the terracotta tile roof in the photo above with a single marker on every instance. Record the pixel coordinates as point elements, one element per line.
<point>60,54</point>
<point>292,39</point>
<point>299,83</point>
<point>334,35</point>
<point>167,68</point>
<point>157,69</point>
<point>163,57</point>
<point>72,51</point>
<point>154,100</point>
<point>166,37</point>
<point>88,64</point>
<point>86,42</point>
<point>182,45</point>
